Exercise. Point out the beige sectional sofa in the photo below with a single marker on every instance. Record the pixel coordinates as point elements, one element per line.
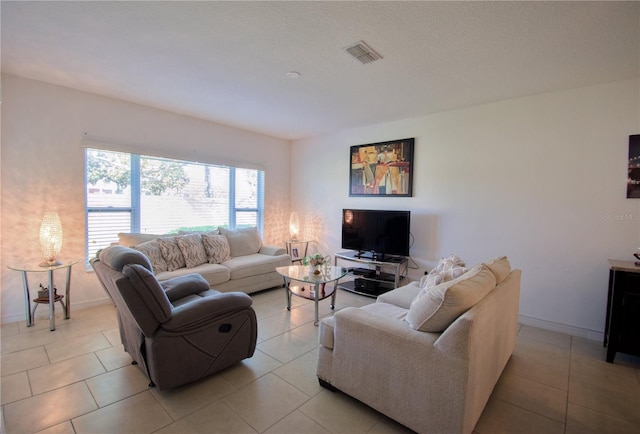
<point>426,356</point>
<point>228,260</point>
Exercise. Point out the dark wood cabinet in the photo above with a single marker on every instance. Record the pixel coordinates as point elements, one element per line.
<point>622,328</point>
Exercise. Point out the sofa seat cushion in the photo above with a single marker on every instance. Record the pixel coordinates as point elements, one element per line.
<point>402,296</point>
<point>254,264</point>
<point>435,309</point>
<point>213,273</point>
<point>386,310</point>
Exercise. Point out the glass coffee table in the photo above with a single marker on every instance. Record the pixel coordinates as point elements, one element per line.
<point>316,287</point>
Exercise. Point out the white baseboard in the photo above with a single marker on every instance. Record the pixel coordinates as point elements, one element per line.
<point>593,335</point>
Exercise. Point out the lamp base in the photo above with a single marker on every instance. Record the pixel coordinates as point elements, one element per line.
<point>50,263</point>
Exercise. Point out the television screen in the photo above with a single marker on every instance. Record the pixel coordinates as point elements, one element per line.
<point>377,232</point>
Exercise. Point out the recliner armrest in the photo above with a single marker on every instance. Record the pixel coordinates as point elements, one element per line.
<point>204,310</point>
<point>181,286</point>
<point>272,250</point>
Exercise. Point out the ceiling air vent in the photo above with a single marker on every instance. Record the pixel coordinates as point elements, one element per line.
<point>362,52</point>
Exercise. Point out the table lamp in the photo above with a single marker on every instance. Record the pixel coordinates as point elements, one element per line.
<point>50,238</point>
<point>294,226</point>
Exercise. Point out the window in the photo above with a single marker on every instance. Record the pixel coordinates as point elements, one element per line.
<point>135,193</point>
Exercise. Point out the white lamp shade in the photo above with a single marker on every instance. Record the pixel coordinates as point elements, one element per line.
<point>294,226</point>
<point>50,237</point>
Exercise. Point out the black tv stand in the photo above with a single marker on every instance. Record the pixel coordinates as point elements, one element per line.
<point>371,279</point>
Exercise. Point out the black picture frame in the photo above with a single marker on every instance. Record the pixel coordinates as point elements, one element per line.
<point>383,169</point>
<point>633,170</point>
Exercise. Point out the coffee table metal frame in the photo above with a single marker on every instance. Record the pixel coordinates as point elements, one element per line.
<point>317,288</point>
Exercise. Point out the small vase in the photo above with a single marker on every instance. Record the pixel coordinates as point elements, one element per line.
<point>314,269</point>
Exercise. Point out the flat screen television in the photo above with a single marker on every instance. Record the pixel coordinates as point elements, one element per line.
<point>376,233</point>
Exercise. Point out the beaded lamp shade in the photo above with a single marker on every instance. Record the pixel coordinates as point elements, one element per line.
<point>50,238</point>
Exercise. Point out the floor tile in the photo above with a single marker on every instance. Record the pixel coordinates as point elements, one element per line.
<point>549,377</point>
<point>138,414</point>
<point>500,417</point>
<point>61,428</point>
<point>212,419</point>
<point>48,409</point>
<point>301,373</point>
<point>295,423</point>
<point>582,420</point>
<point>115,385</point>
<point>184,400</point>
<point>338,412</point>
<point>114,357</point>
<point>286,347</point>
<point>550,337</point>
<point>14,387</point>
<point>23,341</point>
<point>546,370</point>
<point>610,376</point>
<point>24,360</point>
<point>113,336</point>
<point>76,346</point>
<point>533,396</point>
<point>266,401</point>
<point>64,373</point>
<point>622,403</point>
<point>250,369</point>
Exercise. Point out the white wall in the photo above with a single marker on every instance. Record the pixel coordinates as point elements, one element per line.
<point>541,179</point>
<point>43,169</point>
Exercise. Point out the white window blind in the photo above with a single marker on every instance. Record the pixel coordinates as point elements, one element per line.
<point>135,193</point>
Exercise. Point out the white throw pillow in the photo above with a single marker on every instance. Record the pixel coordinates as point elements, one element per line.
<point>192,249</point>
<point>217,248</point>
<point>171,253</point>
<point>451,267</point>
<point>151,249</point>
<point>434,310</point>
<point>242,242</point>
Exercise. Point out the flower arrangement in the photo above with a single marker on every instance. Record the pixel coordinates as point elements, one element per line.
<point>314,260</point>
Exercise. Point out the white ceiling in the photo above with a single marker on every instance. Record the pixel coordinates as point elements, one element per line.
<point>227,61</point>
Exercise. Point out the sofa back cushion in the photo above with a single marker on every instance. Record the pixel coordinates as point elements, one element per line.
<point>151,249</point>
<point>434,310</point>
<point>171,253</point>
<point>192,249</point>
<point>217,248</point>
<point>500,267</point>
<point>242,242</point>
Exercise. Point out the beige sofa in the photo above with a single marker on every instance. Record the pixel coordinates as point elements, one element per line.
<point>228,260</point>
<point>426,357</point>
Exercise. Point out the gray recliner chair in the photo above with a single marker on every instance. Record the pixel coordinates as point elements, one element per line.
<point>178,330</point>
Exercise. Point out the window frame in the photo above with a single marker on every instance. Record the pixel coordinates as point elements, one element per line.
<point>136,191</point>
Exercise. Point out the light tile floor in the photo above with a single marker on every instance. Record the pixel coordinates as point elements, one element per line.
<point>78,379</point>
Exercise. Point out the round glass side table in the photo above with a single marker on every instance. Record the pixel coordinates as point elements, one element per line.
<point>35,268</point>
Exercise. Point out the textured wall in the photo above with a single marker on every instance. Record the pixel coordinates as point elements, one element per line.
<point>43,170</point>
<point>541,179</point>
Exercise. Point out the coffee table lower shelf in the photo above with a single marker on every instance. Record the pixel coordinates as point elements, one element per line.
<point>368,290</point>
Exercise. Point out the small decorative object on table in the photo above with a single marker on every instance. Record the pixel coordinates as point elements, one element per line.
<point>315,262</point>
